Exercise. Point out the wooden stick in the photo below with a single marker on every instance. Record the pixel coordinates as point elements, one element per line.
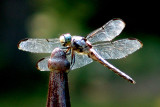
<point>58,92</point>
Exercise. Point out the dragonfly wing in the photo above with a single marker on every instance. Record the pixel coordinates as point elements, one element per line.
<point>117,49</point>
<point>39,45</point>
<point>107,32</point>
<point>80,60</point>
<point>42,64</point>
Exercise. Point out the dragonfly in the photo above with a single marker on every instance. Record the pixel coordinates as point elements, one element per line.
<point>98,46</point>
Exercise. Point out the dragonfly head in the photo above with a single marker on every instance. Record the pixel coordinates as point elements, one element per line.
<point>65,39</point>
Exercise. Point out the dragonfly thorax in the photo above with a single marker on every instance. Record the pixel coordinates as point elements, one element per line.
<point>80,44</point>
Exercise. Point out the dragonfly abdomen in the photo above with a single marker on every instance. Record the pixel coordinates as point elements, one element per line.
<point>94,55</point>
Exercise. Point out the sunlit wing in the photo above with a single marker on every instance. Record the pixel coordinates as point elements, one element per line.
<point>39,45</point>
<point>42,64</point>
<point>117,49</point>
<point>107,32</point>
<point>80,60</point>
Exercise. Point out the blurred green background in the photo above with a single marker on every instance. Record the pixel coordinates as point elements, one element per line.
<point>22,85</point>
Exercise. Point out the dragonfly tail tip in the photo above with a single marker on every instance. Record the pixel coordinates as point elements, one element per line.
<point>132,81</point>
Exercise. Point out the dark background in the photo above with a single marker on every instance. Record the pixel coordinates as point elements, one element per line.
<point>22,85</point>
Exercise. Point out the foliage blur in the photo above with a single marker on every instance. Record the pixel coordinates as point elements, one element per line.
<point>22,85</point>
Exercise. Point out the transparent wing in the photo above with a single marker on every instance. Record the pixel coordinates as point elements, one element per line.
<point>117,49</point>
<point>42,64</point>
<point>107,32</point>
<point>80,60</point>
<point>39,45</point>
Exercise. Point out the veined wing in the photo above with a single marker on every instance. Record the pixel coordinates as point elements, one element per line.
<point>117,49</point>
<point>39,45</point>
<point>107,32</point>
<point>42,64</point>
<point>80,60</point>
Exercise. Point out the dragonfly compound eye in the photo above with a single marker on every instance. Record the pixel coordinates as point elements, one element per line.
<point>65,39</point>
<point>62,39</point>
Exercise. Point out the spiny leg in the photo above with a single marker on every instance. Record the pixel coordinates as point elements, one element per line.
<point>68,51</point>
<point>65,48</point>
<point>72,59</point>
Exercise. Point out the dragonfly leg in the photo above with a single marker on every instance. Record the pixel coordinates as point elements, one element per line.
<point>72,59</point>
<point>65,48</point>
<point>68,51</point>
